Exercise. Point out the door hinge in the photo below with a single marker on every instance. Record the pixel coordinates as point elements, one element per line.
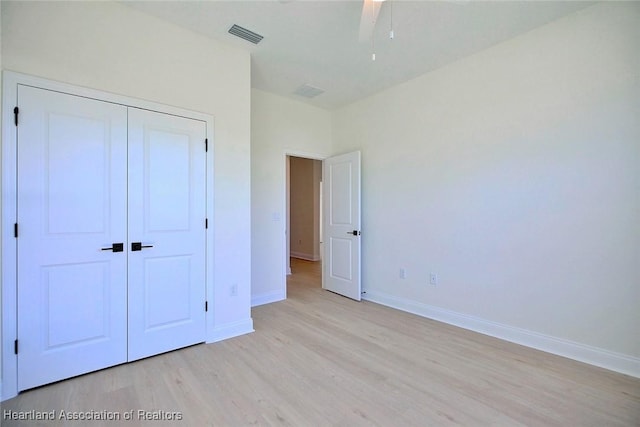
<point>206,144</point>
<point>206,306</point>
<point>15,114</point>
<point>15,346</point>
<point>206,223</point>
<point>15,230</point>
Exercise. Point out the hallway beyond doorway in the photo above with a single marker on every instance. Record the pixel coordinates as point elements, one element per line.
<point>305,275</point>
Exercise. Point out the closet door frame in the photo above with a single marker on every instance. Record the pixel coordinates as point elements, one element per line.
<point>8,244</point>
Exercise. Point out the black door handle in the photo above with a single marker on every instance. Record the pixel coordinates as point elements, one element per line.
<point>115,247</point>
<point>138,246</point>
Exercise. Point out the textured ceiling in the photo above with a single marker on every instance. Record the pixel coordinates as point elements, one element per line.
<point>316,42</point>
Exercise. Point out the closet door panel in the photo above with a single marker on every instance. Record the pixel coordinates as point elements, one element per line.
<point>167,170</point>
<point>71,202</point>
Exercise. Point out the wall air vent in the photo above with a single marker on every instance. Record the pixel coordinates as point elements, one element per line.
<point>308,91</point>
<point>245,34</point>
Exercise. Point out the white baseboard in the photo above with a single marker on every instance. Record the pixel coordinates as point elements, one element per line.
<point>230,330</point>
<point>617,362</point>
<point>267,298</point>
<point>307,257</point>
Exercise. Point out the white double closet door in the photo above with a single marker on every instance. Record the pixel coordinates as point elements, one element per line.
<point>111,242</point>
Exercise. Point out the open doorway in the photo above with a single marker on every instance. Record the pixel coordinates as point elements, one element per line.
<point>304,220</point>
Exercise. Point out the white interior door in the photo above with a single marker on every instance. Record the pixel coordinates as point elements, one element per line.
<point>167,195</point>
<point>341,215</point>
<point>71,202</point>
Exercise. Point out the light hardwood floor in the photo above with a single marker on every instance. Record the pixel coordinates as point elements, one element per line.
<point>318,359</point>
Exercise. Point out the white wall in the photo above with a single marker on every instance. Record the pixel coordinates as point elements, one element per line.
<point>513,174</point>
<point>278,126</point>
<point>111,47</point>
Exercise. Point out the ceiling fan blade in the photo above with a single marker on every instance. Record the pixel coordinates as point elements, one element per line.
<point>370,11</point>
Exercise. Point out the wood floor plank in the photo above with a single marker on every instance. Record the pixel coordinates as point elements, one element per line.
<point>318,359</point>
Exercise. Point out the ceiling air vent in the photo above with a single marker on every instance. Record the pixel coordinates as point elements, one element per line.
<point>308,91</point>
<point>245,34</point>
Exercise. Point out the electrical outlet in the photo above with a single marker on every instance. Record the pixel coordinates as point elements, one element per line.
<point>403,273</point>
<point>233,290</point>
<point>433,279</point>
